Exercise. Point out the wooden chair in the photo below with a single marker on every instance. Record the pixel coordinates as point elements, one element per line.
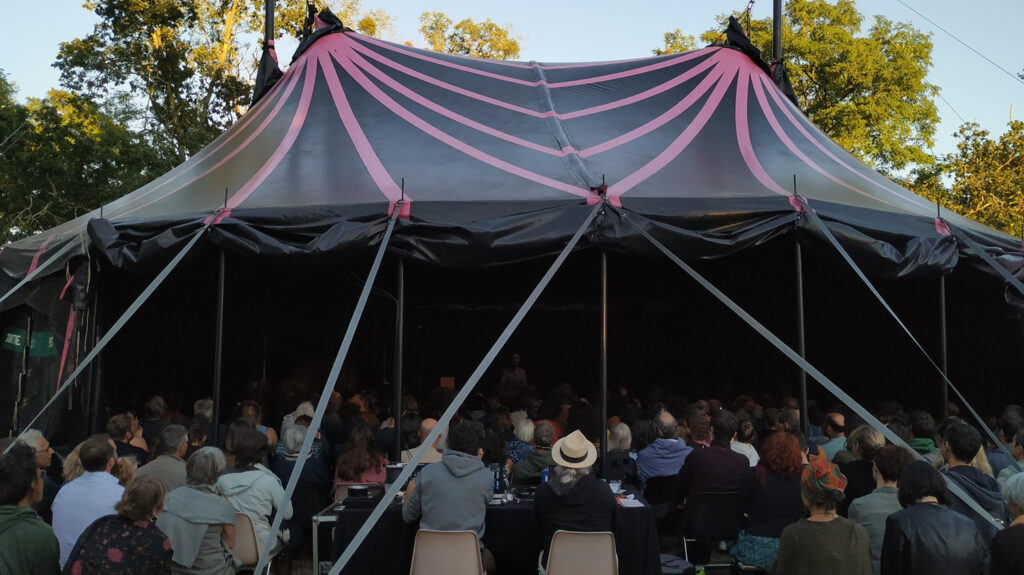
<point>446,553</point>
<point>575,552</point>
<point>246,550</point>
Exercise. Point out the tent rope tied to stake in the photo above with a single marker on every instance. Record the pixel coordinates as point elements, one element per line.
<point>802,363</point>
<point>456,403</point>
<point>816,220</point>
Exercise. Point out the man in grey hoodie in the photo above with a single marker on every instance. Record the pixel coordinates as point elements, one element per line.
<point>452,495</point>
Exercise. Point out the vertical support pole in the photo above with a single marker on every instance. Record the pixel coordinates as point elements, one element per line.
<point>268,22</point>
<point>96,421</point>
<point>26,349</point>
<point>943,357</point>
<point>604,364</point>
<point>800,340</point>
<point>218,349</point>
<point>399,343</point>
<point>777,30</point>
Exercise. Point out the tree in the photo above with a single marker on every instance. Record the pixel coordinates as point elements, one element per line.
<point>70,157</point>
<point>987,177</point>
<point>868,92</point>
<point>676,42</point>
<point>468,38</point>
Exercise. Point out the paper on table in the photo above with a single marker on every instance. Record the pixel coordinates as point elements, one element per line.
<point>630,503</point>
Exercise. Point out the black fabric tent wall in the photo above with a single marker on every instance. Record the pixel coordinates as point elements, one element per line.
<point>497,162</point>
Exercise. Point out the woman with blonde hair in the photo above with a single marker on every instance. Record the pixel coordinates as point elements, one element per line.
<point>863,442</point>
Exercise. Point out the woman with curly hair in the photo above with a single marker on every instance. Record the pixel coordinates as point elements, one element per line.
<point>771,500</point>
<point>361,462</point>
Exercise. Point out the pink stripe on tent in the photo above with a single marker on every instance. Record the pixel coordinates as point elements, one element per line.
<point>429,129</point>
<point>777,128</point>
<point>672,113</point>
<point>35,258</point>
<point>395,85</point>
<point>743,135</point>
<point>385,183</point>
<point>288,79</point>
<point>680,143</point>
<point>67,342</point>
<point>282,149</point>
<point>784,106</point>
<point>234,152</point>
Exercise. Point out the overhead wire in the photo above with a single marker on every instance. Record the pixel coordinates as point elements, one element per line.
<point>965,44</point>
<point>962,120</point>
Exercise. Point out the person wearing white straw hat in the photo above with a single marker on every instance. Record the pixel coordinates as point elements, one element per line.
<point>573,499</point>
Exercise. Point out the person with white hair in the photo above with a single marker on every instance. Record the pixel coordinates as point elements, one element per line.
<point>1008,544</point>
<point>169,467</point>
<point>518,447</point>
<point>44,459</point>
<point>573,499</point>
<point>198,520</point>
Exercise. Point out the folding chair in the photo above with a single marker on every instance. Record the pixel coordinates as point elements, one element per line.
<point>446,553</point>
<point>711,517</point>
<point>246,549</point>
<point>574,552</point>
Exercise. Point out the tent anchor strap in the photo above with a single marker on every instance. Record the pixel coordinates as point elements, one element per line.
<point>478,373</point>
<point>121,321</point>
<point>813,217</point>
<point>793,356</point>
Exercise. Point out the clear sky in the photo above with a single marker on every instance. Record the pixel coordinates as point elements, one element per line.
<point>603,30</point>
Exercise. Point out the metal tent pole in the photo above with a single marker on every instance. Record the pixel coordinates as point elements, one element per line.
<point>218,349</point>
<point>777,30</point>
<point>800,339</point>
<point>943,349</point>
<point>604,364</point>
<point>399,343</point>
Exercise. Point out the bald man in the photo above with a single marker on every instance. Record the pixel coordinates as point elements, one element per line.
<point>835,429</point>
<point>432,455</point>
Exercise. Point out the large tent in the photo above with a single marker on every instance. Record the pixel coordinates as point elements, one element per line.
<point>491,163</point>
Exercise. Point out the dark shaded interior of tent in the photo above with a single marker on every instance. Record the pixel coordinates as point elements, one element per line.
<point>283,326</point>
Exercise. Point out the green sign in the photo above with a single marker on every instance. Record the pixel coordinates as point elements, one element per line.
<point>44,344</point>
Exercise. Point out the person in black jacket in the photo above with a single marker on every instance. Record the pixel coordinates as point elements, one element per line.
<point>573,499</point>
<point>926,537</point>
<point>1008,544</point>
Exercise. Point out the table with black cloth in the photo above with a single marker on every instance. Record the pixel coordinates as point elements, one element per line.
<point>512,534</point>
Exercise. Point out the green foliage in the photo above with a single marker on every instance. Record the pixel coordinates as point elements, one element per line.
<point>868,92</point>
<point>71,156</point>
<point>676,42</point>
<point>987,177</point>
<point>468,38</point>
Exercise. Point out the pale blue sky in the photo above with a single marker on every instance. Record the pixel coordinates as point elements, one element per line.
<point>604,30</point>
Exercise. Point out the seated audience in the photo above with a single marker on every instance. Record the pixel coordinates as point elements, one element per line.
<point>1008,544</point>
<point>169,465</point>
<point>28,544</point>
<point>922,430</point>
<point>196,439</point>
<point>835,430</point>
<point>453,494</point>
<point>770,498</point>
<point>825,542</point>
<point>926,537</point>
<point>715,469</point>
<point>573,499</point>
<point>621,465</point>
<point>153,423</point>
<point>961,443</point>
<point>128,543</point>
<point>432,455</point>
<point>137,439</point>
<point>1017,450</point>
<point>871,510</point>
<point>253,489</point>
<point>119,428</point>
<point>315,474</point>
<point>44,458</point>
<point>253,411</point>
<point>744,442</point>
<point>863,443</point>
<point>361,462</point>
<point>236,427</point>
<point>1006,427</point>
<point>518,447</point>
<point>125,470</point>
<point>666,455</point>
<point>528,471</point>
<point>85,499</point>
<point>202,410</point>
<point>197,519</point>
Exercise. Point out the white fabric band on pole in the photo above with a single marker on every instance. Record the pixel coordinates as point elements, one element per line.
<point>478,373</point>
<point>121,321</point>
<point>803,364</point>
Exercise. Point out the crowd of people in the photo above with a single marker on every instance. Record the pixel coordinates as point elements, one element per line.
<point>159,495</point>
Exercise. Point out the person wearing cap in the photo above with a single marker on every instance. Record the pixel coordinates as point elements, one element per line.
<point>824,542</point>
<point>573,499</point>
